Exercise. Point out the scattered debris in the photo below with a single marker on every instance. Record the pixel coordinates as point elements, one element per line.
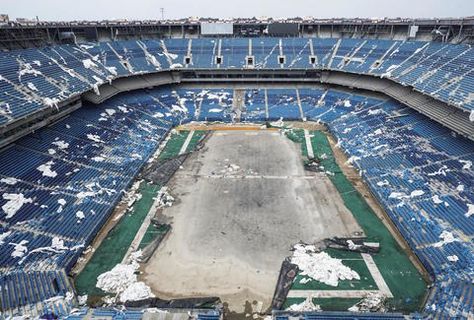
<point>165,199</point>
<point>133,195</point>
<point>382,183</point>
<point>82,300</point>
<point>288,272</point>
<point>467,164</point>
<point>185,303</point>
<point>230,168</point>
<point>353,244</point>
<point>61,144</point>
<point>278,124</point>
<point>94,138</point>
<point>306,305</point>
<point>372,302</point>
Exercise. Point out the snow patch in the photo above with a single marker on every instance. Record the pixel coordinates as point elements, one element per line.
<point>122,281</point>
<point>46,170</point>
<point>9,180</point>
<point>279,123</point>
<point>61,144</point>
<point>61,203</point>
<point>80,215</point>
<point>165,199</point>
<point>382,183</point>
<point>82,300</point>
<point>375,112</point>
<point>14,203</point>
<point>94,138</point>
<point>436,199</point>
<point>176,65</point>
<point>389,71</point>
<point>467,164</point>
<point>32,86</point>
<point>123,109</point>
<point>352,159</point>
<point>441,171</point>
<point>306,305</point>
<point>110,112</point>
<point>470,210</point>
<point>136,291</point>
<point>51,102</point>
<point>20,249</point>
<point>3,236</point>
<point>416,193</point>
<point>112,70</point>
<point>372,302</point>
<point>58,244</point>
<point>446,237</point>
<point>453,258</point>
<point>98,159</point>
<point>321,266</point>
<point>88,63</point>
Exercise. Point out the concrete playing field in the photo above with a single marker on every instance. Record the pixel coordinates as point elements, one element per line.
<point>242,202</point>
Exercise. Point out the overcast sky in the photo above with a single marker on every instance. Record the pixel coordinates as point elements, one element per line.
<point>150,9</point>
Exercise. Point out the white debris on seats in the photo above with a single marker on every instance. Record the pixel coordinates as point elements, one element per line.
<point>14,202</point>
<point>446,237</point>
<point>46,169</point>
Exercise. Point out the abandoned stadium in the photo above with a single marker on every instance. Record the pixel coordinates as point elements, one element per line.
<point>288,177</point>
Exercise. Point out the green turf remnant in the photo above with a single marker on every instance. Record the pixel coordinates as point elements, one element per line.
<point>405,282</point>
<point>174,144</point>
<point>114,247</point>
<point>197,136</point>
<point>152,233</point>
<point>116,244</point>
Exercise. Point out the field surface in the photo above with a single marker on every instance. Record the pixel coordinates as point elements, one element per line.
<point>242,202</point>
